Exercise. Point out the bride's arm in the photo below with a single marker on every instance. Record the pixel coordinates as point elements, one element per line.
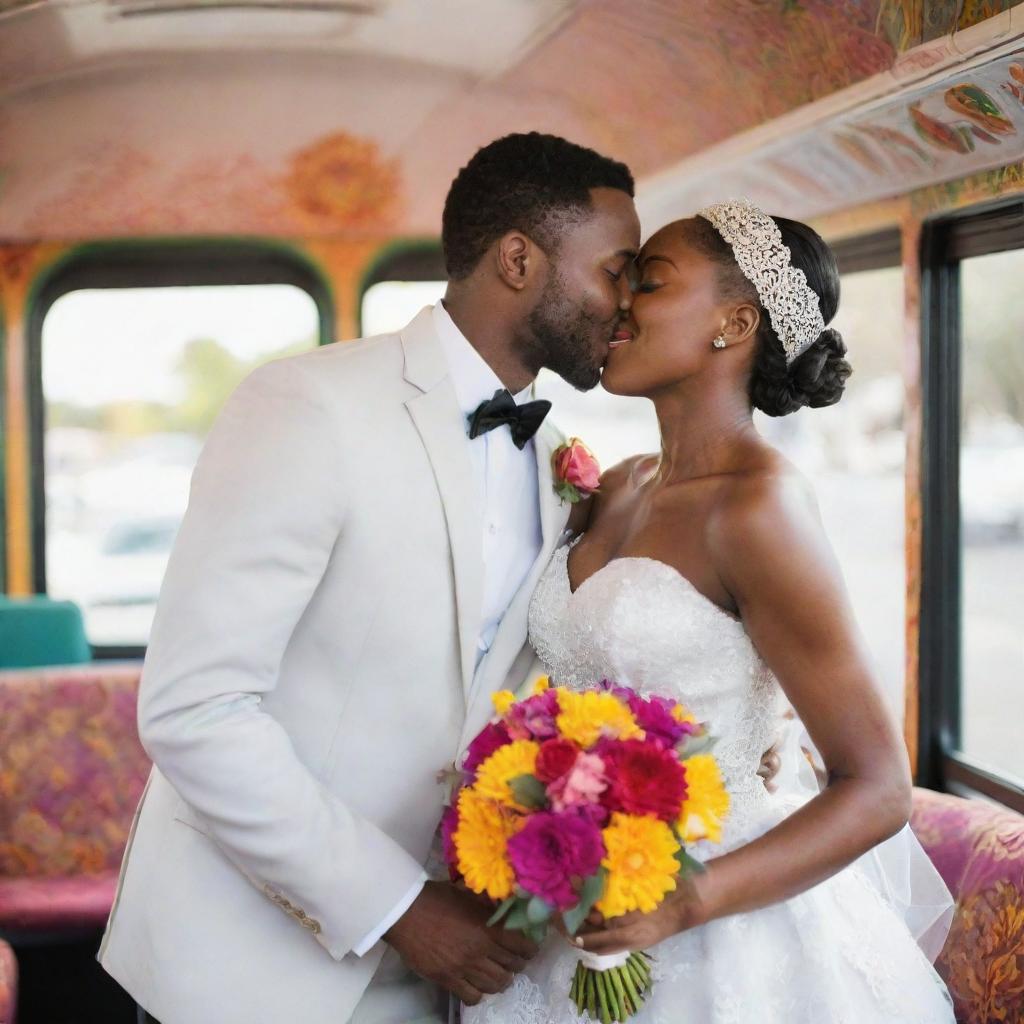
<point>775,560</point>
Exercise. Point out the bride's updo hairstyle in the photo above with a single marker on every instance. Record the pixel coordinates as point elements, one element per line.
<point>818,375</point>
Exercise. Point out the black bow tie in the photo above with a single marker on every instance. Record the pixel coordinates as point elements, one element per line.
<point>523,420</point>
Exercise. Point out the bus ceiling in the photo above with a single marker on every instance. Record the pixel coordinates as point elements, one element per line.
<point>349,117</point>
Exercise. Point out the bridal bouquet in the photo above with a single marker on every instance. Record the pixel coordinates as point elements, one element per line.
<point>573,800</point>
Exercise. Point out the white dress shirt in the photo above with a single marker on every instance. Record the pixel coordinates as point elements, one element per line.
<point>506,478</point>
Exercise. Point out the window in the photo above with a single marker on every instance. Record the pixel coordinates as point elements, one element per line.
<point>389,305</point>
<point>972,651</point>
<point>992,508</point>
<point>402,281</point>
<point>129,378</point>
<point>854,453</point>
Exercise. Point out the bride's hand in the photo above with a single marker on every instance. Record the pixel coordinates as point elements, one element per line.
<point>681,910</point>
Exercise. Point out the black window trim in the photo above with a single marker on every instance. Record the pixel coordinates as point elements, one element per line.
<point>878,250</point>
<point>946,241</point>
<point>147,263</point>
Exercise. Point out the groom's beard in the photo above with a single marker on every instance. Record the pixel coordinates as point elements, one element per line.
<point>571,338</point>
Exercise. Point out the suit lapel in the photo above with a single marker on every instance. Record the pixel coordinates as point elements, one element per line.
<point>511,634</point>
<point>438,419</point>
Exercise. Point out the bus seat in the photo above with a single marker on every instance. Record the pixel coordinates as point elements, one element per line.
<point>72,773</point>
<point>40,631</point>
<point>978,848</point>
<point>8,984</point>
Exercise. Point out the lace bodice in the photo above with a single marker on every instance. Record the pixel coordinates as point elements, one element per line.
<point>638,622</point>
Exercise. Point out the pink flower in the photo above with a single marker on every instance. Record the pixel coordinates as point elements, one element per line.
<point>534,718</point>
<point>576,472</point>
<point>582,784</point>
<point>552,852</point>
<point>488,740</point>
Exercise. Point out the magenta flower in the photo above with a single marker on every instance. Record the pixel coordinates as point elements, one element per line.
<point>490,738</point>
<point>654,716</point>
<point>534,718</point>
<point>552,852</point>
<point>582,784</point>
<point>449,823</point>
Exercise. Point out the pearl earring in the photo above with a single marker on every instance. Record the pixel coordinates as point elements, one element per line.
<point>719,342</point>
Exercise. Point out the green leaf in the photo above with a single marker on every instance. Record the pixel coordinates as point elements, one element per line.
<point>517,919</point>
<point>503,908</point>
<point>688,865</point>
<point>567,492</point>
<point>697,745</point>
<point>591,892</point>
<point>538,911</point>
<point>537,933</point>
<point>528,791</point>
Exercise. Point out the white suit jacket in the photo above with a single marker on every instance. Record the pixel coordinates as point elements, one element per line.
<point>310,669</point>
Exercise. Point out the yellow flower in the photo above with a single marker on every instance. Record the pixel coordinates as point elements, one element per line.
<point>641,864</point>
<point>481,844</point>
<point>681,715</point>
<point>541,684</point>
<point>706,803</point>
<point>494,775</point>
<point>586,717</point>
<point>503,700</point>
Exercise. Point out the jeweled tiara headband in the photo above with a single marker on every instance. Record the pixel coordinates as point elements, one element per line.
<point>766,262</point>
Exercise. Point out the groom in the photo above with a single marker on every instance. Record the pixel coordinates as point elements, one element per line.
<point>349,585</point>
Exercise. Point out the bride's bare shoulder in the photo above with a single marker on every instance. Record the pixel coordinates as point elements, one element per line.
<point>770,503</point>
<point>628,472</point>
<point>613,482</point>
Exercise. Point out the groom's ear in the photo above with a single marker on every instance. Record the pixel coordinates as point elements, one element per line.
<point>515,257</point>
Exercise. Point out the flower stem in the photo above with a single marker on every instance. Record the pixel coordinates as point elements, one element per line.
<point>606,999</point>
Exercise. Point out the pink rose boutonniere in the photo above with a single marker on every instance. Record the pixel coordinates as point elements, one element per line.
<point>575,470</point>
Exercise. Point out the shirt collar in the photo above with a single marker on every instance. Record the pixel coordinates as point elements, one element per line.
<point>472,377</point>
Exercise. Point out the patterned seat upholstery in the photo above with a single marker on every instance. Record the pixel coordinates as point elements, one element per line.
<point>71,776</point>
<point>8,984</point>
<point>978,849</point>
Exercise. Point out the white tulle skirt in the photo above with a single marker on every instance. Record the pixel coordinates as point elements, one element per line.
<point>856,949</point>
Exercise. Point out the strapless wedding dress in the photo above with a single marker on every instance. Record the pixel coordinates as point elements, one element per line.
<point>840,953</point>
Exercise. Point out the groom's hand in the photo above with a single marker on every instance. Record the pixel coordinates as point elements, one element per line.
<point>444,938</point>
<point>771,764</point>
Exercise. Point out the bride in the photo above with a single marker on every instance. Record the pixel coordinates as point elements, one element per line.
<point>704,574</point>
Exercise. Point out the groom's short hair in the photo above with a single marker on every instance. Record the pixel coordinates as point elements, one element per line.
<point>534,183</point>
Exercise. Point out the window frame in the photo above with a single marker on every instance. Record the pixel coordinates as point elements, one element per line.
<point>945,243</point>
<point>407,260</point>
<point>879,250</point>
<point>147,264</point>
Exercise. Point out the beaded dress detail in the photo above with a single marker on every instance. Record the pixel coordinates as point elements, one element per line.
<point>838,953</point>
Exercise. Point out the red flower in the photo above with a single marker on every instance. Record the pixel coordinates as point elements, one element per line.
<point>555,759</point>
<point>645,779</point>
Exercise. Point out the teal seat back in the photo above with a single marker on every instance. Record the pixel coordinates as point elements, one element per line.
<point>39,631</point>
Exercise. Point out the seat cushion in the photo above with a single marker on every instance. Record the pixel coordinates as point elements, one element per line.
<point>978,848</point>
<point>8,984</point>
<point>55,905</point>
<point>72,769</point>
<point>39,631</point>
